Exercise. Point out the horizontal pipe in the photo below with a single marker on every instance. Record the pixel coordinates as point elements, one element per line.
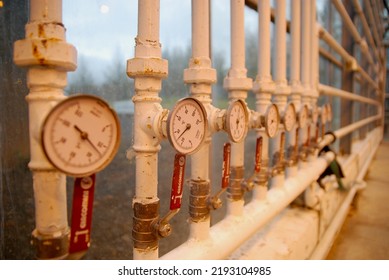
<point>227,235</point>
<point>328,90</point>
<point>326,242</point>
<point>331,41</point>
<point>330,57</point>
<point>354,126</point>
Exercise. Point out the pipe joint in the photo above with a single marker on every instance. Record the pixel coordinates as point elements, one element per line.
<point>51,246</point>
<point>264,85</point>
<point>198,200</point>
<point>45,45</point>
<point>143,230</point>
<point>232,83</point>
<point>200,71</point>
<point>216,118</point>
<point>154,67</point>
<point>235,190</point>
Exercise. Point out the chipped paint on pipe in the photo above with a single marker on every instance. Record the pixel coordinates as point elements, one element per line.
<point>48,57</point>
<point>237,85</point>
<point>148,69</point>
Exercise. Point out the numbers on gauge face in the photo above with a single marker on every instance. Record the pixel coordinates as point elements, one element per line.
<point>289,118</point>
<point>272,119</point>
<point>81,135</point>
<point>236,121</point>
<point>187,125</point>
<point>303,116</point>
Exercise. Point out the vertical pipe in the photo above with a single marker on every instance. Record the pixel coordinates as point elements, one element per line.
<point>200,76</point>
<point>282,91</point>
<point>305,67</point>
<point>263,87</point>
<point>237,85</point>
<point>314,63</point>
<point>295,84</point>
<point>48,58</point>
<point>148,69</point>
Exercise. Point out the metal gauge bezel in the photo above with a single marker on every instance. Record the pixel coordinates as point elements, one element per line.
<point>232,121</point>
<point>78,124</point>
<point>289,115</point>
<point>303,116</point>
<point>271,112</point>
<point>202,125</point>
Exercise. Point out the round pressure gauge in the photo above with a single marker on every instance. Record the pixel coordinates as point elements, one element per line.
<point>81,135</point>
<point>187,125</point>
<point>315,114</point>
<point>237,121</point>
<point>289,118</point>
<point>303,116</point>
<point>272,119</point>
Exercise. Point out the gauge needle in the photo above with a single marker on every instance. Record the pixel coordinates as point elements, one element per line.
<point>186,129</point>
<point>84,136</point>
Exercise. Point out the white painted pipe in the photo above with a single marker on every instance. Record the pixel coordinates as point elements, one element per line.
<point>237,85</point>
<point>295,33</point>
<point>366,29</point>
<point>264,40</point>
<point>146,107</point>
<point>354,126</point>
<point>263,85</point>
<point>305,66</point>
<point>352,28</point>
<point>48,58</point>
<point>295,83</point>
<point>282,90</point>
<point>333,91</point>
<point>200,28</point>
<point>200,75</point>
<point>227,235</point>
<point>327,240</point>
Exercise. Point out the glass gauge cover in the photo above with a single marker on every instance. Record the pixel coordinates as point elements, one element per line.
<point>81,135</point>
<point>187,125</point>
<point>237,121</point>
<point>272,119</point>
<point>289,118</point>
<point>303,116</point>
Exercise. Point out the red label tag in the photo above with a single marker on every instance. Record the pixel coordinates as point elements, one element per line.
<point>82,213</point>
<point>226,165</point>
<point>177,182</point>
<point>282,146</point>
<point>258,155</point>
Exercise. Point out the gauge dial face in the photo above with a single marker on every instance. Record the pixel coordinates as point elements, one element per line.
<point>237,121</point>
<point>272,119</point>
<point>323,115</point>
<point>289,118</point>
<point>303,116</point>
<point>81,135</point>
<point>187,125</point>
<point>315,114</point>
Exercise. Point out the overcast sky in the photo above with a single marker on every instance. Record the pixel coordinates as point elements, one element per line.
<point>103,29</point>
